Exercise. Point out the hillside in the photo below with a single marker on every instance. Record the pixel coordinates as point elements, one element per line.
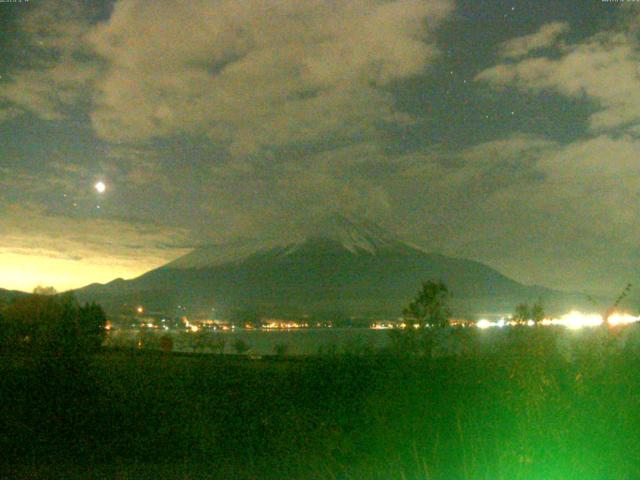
<point>340,266</point>
<point>8,295</point>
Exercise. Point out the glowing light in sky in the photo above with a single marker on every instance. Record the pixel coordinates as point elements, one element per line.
<point>100,187</point>
<point>26,271</point>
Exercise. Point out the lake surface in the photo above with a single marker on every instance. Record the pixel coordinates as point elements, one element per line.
<point>359,340</point>
<point>261,342</point>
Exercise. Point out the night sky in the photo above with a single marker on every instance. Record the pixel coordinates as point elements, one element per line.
<point>502,131</point>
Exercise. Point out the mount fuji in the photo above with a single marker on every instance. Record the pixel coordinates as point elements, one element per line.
<point>340,266</point>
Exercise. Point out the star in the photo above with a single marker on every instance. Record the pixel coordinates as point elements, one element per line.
<point>100,187</point>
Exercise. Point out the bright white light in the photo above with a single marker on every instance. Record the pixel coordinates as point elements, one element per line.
<point>621,319</point>
<point>100,187</point>
<point>575,320</point>
<point>484,323</point>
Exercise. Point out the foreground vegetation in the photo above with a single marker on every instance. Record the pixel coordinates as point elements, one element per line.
<point>51,328</point>
<point>527,409</point>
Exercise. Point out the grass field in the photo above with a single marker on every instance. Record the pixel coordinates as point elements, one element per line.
<point>529,409</point>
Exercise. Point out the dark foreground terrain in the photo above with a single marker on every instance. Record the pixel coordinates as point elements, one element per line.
<point>527,410</point>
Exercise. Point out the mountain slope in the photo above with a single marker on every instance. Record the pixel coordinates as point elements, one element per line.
<point>341,266</point>
<point>8,295</point>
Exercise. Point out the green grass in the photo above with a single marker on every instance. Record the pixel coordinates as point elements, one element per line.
<point>527,409</point>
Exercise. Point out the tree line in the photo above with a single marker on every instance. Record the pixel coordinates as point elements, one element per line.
<point>51,326</point>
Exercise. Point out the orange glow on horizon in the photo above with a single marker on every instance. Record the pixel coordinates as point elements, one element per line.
<point>25,272</point>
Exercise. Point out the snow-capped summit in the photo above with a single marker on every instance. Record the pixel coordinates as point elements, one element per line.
<point>354,235</point>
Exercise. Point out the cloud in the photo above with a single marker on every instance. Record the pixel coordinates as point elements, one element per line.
<point>547,36</point>
<point>599,181</point>
<point>590,184</point>
<point>447,179</point>
<point>603,69</point>
<point>281,197</point>
<point>246,74</point>
<point>252,76</point>
<point>30,227</point>
<point>540,211</point>
<point>54,69</point>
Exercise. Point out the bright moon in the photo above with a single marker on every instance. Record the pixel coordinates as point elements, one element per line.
<point>100,187</point>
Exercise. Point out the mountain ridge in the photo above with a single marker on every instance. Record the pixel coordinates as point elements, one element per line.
<point>8,295</point>
<point>339,265</point>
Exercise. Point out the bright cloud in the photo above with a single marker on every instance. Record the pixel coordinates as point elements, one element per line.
<point>254,74</point>
<point>246,74</point>
<point>546,37</point>
<point>56,70</point>
<point>604,69</point>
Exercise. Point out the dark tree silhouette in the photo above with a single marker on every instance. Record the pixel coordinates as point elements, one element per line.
<point>91,326</point>
<point>537,312</point>
<point>48,326</point>
<point>522,313</point>
<point>430,307</point>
